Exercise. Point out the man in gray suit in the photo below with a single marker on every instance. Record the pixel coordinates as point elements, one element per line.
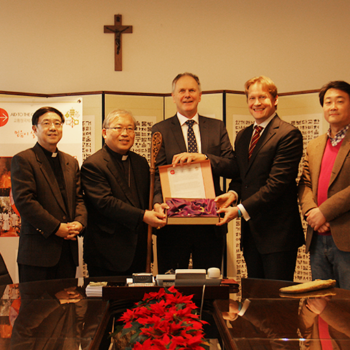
<point>47,193</point>
<point>324,189</point>
<point>211,141</point>
<point>116,186</point>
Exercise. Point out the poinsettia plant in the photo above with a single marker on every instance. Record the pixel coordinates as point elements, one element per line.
<point>164,320</point>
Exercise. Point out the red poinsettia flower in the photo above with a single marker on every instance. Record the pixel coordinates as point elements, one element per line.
<point>155,295</point>
<point>165,320</point>
<point>151,320</point>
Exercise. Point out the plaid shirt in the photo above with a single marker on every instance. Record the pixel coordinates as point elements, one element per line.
<point>339,136</point>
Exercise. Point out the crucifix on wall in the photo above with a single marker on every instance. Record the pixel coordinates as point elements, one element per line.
<point>118,29</point>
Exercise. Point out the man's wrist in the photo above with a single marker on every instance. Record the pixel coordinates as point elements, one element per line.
<point>235,195</point>
<point>245,214</point>
<point>244,307</point>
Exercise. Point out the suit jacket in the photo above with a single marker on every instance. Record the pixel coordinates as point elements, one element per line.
<point>215,144</point>
<point>336,208</point>
<point>267,186</point>
<point>115,221</point>
<point>42,208</point>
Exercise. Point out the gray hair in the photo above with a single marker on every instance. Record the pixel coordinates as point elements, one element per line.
<point>186,74</point>
<point>116,114</point>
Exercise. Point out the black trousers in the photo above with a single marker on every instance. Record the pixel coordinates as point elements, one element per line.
<point>275,266</point>
<point>175,243</point>
<point>138,264</point>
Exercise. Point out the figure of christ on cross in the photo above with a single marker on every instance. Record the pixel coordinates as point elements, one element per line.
<point>118,29</point>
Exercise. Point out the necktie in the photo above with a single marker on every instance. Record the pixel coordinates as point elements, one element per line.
<point>191,138</point>
<point>255,139</point>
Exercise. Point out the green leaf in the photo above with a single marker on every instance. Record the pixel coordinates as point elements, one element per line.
<point>135,326</point>
<point>134,337</point>
<point>166,290</point>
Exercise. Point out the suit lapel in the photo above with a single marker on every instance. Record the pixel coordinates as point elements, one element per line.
<point>114,169</point>
<point>69,181</point>
<point>178,135</point>
<point>139,180</point>
<point>245,142</point>
<point>269,132</point>
<point>342,154</point>
<point>315,160</point>
<point>204,134</point>
<point>49,175</point>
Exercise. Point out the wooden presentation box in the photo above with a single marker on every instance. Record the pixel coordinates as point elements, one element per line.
<point>191,181</point>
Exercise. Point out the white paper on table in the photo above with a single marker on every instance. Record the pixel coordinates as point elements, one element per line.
<point>186,181</point>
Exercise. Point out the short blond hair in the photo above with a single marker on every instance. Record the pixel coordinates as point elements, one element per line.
<point>264,81</point>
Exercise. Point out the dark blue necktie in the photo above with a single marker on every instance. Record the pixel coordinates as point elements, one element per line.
<point>191,138</point>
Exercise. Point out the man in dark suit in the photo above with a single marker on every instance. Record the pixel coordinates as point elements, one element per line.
<point>324,189</point>
<point>211,141</point>
<point>271,229</point>
<point>47,193</point>
<point>116,186</point>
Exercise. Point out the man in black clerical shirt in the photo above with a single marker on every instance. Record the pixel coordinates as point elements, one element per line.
<point>47,193</point>
<point>116,187</point>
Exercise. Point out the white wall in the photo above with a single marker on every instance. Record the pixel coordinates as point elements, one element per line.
<point>55,46</point>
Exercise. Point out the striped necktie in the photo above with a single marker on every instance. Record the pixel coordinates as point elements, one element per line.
<point>255,139</point>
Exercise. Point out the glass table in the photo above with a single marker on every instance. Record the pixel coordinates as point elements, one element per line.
<point>50,315</point>
<point>58,315</point>
<point>273,320</point>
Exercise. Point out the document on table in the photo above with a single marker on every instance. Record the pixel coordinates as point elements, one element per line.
<point>186,181</point>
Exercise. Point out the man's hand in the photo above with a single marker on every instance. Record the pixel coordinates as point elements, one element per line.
<point>315,219</point>
<point>69,230</point>
<point>183,158</point>
<point>225,200</point>
<point>317,305</point>
<point>74,229</point>
<point>231,315</point>
<point>68,295</point>
<point>160,208</point>
<point>324,228</point>
<point>230,214</point>
<point>62,231</point>
<point>154,219</point>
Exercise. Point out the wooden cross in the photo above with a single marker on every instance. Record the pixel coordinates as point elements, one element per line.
<point>118,29</point>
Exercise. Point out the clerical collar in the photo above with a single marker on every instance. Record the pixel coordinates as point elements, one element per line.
<point>183,119</point>
<point>338,136</point>
<point>121,157</point>
<point>49,153</point>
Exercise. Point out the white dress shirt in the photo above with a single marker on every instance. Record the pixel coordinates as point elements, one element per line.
<point>184,127</point>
